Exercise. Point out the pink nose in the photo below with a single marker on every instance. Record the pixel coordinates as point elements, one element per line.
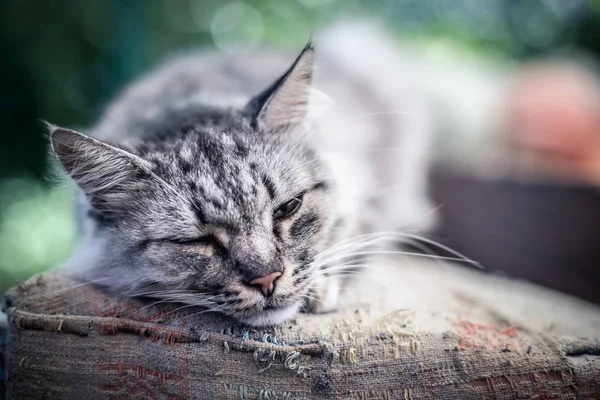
<point>265,283</point>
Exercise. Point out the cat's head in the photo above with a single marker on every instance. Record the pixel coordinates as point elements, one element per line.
<point>229,216</point>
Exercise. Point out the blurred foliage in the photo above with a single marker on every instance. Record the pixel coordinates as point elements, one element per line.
<point>37,230</point>
<point>62,60</point>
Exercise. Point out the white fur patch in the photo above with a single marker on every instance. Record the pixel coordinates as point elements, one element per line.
<point>272,317</point>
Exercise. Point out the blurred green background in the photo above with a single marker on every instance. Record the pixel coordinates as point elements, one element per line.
<point>61,61</point>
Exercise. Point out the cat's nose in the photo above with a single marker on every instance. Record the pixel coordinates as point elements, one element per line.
<point>265,283</point>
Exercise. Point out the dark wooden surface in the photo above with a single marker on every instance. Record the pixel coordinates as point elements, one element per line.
<point>545,232</point>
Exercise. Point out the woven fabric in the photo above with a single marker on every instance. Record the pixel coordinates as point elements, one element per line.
<point>73,341</point>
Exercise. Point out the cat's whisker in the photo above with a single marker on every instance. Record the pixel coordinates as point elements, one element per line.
<point>399,237</point>
<point>180,308</point>
<point>351,268</point>
<point>365,243</point>
<point>78,285</point>
<point>159,292</point>
<point>167,300</point>
<point>328,270</point>
<point>440,246</point>
<point>361,275</point>
<point>297,168</point>
<point>347,242</point>
<point>322,257</point>
<point>422,248</point>
<point>361,244</point>
<point>375,251</point>
<point>215,309</point>
<point>286,152</point>
<point>201,305</point>
<point>208,300</point>
<point>179,298</point>
<point>405,253</point>
<point>364,235</point>
<point>363,270</point>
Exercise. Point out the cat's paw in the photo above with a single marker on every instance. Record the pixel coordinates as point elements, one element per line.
<point>324,295</point>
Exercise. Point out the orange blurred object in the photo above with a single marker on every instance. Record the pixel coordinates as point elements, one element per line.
<point>554,120</point>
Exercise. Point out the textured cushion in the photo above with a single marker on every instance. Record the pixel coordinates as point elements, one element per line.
<point>412,330</point>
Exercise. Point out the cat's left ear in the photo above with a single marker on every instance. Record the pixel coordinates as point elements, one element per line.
<point>108,175</point>
<point>285,103</point>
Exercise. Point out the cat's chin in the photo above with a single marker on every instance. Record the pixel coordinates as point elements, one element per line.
<point>271,317</point>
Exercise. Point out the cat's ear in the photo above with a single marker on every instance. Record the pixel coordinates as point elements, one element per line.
<point>107,174</point>
<point>285,103</point>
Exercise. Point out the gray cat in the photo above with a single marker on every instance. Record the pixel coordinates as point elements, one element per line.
<point>215,182</point>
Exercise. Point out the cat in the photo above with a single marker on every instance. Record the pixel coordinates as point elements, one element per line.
<point>233,182</point>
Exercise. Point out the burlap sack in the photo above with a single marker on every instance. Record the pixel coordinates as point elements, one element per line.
<point>415,331</point>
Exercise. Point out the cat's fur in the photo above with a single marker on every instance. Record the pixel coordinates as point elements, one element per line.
<point>182,180</point>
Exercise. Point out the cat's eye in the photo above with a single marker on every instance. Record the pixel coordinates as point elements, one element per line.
<point>203,240</point>
<point>288,208</point>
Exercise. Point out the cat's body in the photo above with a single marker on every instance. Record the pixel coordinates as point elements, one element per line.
<point>217,196</point>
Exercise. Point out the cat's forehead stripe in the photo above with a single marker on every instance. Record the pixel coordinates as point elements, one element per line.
<point>270,186</point>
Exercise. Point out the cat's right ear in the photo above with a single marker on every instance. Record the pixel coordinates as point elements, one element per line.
<point>285,103</point>
<point>107,174</point>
